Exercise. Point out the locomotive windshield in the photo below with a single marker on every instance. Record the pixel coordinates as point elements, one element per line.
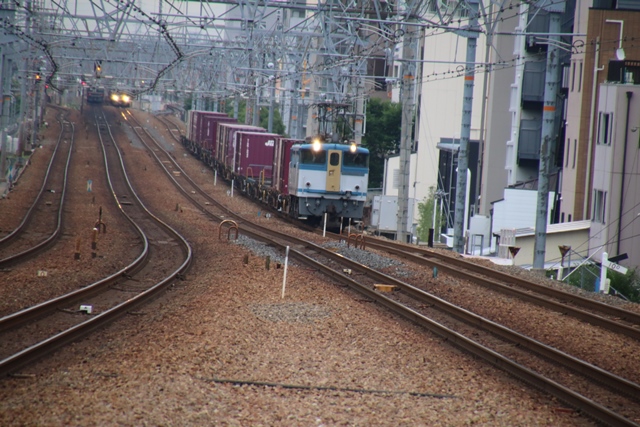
<point>360,160</point>
<point>310,157</point>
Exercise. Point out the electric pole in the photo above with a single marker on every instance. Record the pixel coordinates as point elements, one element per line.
<point>552,81</point>
<point>407,94</point>
<point>465,130</point>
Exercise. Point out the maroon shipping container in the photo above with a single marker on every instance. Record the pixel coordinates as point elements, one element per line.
<point>226,145</point>
<point>192,134</point>
<point>254,154</point>
<point>281,160</point>
<point>200,124</point>
<point>210,130</point>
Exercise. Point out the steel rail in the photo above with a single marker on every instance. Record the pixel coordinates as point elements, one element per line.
<point>458,263</point>
<point>572,398</point>
<point>35,249</point>
<point>34,352</point>
<point>457,270</point>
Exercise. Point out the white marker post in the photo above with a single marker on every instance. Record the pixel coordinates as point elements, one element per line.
<point>606,264</point>
<point>286,263</point>
<point>324,229</point>
<point>603,272</point>
<point>232,188</point>
<point>215,177</point>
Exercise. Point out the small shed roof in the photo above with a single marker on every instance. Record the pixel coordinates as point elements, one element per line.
<point>554,228</point>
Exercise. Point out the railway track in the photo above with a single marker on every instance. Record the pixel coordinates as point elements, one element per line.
<point>609,317</point>
<point>41,225</point>
<point>606,397</point>
<point>165,256</point>
<point>615,319</point>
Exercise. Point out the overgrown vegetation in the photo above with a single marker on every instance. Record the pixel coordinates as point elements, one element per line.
<point>425,219</point>
<point>587,277</point>
<point>384,123</point>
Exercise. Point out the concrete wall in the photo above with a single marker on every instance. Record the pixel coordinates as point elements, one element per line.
<point>575,239</point>
<point>618,233</point>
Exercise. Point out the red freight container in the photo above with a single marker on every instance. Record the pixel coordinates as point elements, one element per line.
<point>210,130</point>
<point>254,154</point>
<point>281,160</point>
<point>200,123</point>
<point>226,145</point>
<point>192,133</point>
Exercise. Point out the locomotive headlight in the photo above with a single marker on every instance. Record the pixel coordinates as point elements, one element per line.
<point>353,147</point>
<point>115,97</point>
<point>357,187</point>
<point>316,144</point>
<point>308,184</point>
<point>125,98</point>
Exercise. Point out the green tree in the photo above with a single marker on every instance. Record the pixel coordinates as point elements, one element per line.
<point>188,102</point>
<point>242,109</point>
<point>278,125</point>
<point>425,212</point>
<point>384,120</point>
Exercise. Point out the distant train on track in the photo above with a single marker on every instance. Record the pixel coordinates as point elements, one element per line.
<point>120,99</point>
<point>95,94</point>
<point>302,178</point>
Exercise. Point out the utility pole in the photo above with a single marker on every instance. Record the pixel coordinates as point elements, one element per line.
<point>359,95</point>
<point>272,95</point>
<point>465,129</point>
<point>293,113</point>
<point>407,94</point>
<point>552,81</point>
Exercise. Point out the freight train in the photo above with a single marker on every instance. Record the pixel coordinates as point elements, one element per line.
<point>302,178</point>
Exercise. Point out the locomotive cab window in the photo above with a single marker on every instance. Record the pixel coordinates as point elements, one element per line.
<point>310,157</point>
<point>334,159</point>
<point>360,160</point>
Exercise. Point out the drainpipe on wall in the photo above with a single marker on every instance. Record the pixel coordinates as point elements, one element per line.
<point>592,112</point>
<point>624,169</point>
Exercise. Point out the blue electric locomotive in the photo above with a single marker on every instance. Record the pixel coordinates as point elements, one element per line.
<point>328,178</point>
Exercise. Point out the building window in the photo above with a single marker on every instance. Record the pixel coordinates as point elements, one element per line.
<point>396,178</point>
<point>573,76</point>
<point>562,217</point>
<point>569,218</point>
<point>599,200</point>
<point>566,162</point>
<point>580,78</point>
<point>575,150</point>
<point>605,120</point>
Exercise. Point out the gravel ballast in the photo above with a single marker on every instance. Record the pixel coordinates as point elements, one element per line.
<point>223,348</point>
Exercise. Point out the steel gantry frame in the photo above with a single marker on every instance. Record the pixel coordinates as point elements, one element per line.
<point>319,51</point>
<point>311,56</point>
